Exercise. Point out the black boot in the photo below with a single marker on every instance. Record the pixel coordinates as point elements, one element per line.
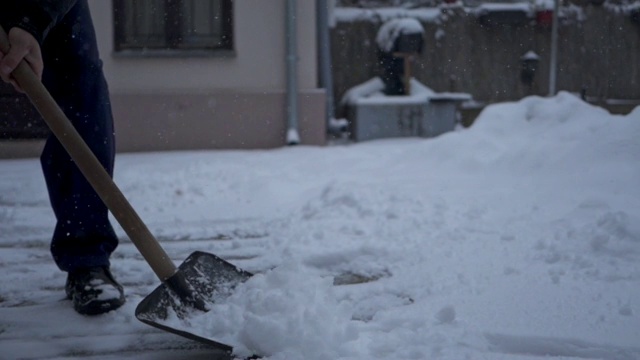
<point>94,291</point>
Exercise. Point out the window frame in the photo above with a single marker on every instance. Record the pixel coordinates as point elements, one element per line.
<point>173,48</point>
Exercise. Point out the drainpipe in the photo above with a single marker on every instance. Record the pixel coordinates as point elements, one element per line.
<point>324,58</point>
<point>293,138</point>
<point>553,66</point>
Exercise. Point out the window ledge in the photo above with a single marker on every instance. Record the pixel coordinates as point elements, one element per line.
<point>174,53</point>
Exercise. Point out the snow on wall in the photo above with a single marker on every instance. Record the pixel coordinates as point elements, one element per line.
<point>488,7</point>
<point>429,15</point>
<point>436,14</point>
<point>626,8</point>
<point>544,4</point>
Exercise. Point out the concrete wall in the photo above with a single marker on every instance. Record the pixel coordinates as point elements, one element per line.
<point>213,120</point>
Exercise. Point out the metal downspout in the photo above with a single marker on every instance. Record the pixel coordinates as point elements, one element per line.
<point>324,52</point>
<point>293,138</point>
<point>553,66</point>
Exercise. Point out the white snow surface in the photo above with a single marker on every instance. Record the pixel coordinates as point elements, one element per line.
<point>349,14</point>
<point>518,238</point>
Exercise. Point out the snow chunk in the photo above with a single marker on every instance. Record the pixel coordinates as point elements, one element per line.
<point>285,313</point>
<point>530,55</point>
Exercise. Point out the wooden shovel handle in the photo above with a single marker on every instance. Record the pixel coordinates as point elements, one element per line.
<point>90,167</point>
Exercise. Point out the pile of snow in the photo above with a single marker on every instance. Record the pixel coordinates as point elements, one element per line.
<point>372,91</point>
<point>390,31</point>
<point>285,313</point>
<point>530,55</point>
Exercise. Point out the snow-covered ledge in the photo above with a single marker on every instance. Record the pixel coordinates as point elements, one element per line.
<point>424,113</point>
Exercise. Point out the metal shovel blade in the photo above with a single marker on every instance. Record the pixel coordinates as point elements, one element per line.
<point>209,279</point>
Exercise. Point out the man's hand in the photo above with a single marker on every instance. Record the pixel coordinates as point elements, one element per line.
<point>23,46</point>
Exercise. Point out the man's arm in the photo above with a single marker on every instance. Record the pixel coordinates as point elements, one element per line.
<point>23,46</point>
<point>35,16</point>
<point>28,22</point>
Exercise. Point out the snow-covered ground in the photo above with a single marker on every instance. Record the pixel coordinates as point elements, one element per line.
<point>518,238</point>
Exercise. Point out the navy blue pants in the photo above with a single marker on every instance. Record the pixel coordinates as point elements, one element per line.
<point>83,236</point>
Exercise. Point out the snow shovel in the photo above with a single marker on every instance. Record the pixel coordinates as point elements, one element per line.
<point>186,291</point>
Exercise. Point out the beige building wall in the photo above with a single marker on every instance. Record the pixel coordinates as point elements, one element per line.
<point>237,101</point>
<point>232,101</point>
<point>258,64</point>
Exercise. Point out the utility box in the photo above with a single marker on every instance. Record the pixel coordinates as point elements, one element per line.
<point>378,120</point>
<point>442,113</point>
<point>395,104</point>
<point>423,113</point>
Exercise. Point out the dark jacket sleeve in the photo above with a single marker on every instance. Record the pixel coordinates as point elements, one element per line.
<point>34,16</point>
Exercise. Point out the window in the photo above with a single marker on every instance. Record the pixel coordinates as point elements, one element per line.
<point>173,26</point>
